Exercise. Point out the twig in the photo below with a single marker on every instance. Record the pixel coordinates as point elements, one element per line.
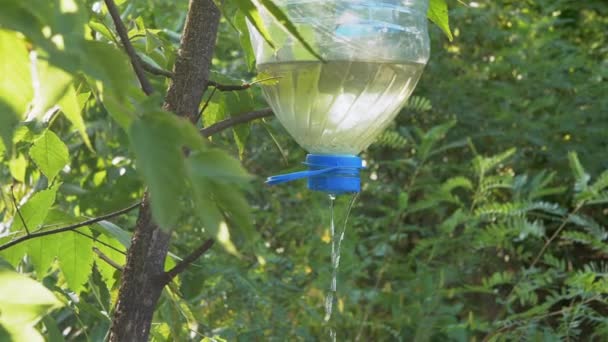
<point>124,38</point>
<point>554,236</point>
<point>99,242</point>
<point>182,265</point>
<point>237,87</point>
<point>18,210</point>
<point>70,227</point>
<point>235,120</point>
<point>107,259</point>
<point>225,87</point>
<point>154,70</point>
<point>200,114</point>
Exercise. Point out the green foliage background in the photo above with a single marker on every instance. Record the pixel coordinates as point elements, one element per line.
<point>483,212</point>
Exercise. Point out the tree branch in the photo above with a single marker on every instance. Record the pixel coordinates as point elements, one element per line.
<point>124,38</point>
<point>141,283</point>
<point>107,259</point>
<point>225,87</point>
<point>244,86</point>
<point>182,265</point>
<point>70,227</point>
<point>156,71</point>
<point>235,120</point>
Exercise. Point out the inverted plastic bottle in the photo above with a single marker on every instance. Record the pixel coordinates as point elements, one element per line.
<point>374,53</point>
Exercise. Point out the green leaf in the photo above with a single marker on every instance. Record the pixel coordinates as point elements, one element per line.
<point>52,330</point>
<point>438,13</point>
<point>205,200</point>
<point>241,134</point>
<point>284,21</point>
<point>106,270</point>
<point>36,209</point>
<point>111,230</point>
<point>121,109</point>
<point>15,84</point>
<point>2,147</point>
<point>52,86</point>
<point>217,165</point>
<point>13,255</point>
<point>23,302</point>
<point>102,29</point>
<point>238,102</point>
<point>71,108</point>
<point>215,111</point>
<point>250,11</point>
<point>17,166</point>
<point>158,139</point>
<point>241,25</point>
<point>265,78</point>
<point>107,64</point>
<point>152,41</point>
<point>73,251</point>
<point>5,335</point>
<point>235,208</point>
<point>75,256</point>
<point>160,162</point>
<point>50,154</point>
<point>42,252</point>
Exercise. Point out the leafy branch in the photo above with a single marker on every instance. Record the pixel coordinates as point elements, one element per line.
<point>146,86</point>
<point>70,227</point>
<point>154,70</point>
<point>236,120</point>
<point>229,87</point>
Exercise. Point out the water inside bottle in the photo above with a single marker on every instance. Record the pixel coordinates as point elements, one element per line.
<point>338,107</point>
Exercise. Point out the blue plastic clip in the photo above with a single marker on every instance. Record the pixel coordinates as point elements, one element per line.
<point>333,174</point>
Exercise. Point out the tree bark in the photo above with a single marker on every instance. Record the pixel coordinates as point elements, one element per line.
<point>143,278</point>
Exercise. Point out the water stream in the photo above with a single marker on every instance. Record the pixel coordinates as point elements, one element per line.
<point>331,298</point>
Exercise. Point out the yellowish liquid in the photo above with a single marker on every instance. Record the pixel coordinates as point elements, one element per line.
<point>338,107</point>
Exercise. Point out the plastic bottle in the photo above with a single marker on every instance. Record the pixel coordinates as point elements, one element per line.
<point>374,53</point>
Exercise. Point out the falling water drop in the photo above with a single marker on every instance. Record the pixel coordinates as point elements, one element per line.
<point>336,243</point>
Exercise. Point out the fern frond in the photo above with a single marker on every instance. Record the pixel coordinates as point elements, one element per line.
<point>554,262</point>
<point>581,177</point>
<point>519,208</point>
<point>578,237</point>
<point>456,182</point>
<point>590,225</point>
<point>498,278</point>
<point>418,104</point>
<point>391,139</point>
<point>484,164</point>
<point>595,191</point>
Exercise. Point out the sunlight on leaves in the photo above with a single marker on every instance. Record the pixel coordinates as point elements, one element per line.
<point>438,13</point>
<point>50,154</point>
<point>15,83</point>
<point>23,302</point>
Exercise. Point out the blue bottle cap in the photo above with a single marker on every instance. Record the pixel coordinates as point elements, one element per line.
<point>334,174</point>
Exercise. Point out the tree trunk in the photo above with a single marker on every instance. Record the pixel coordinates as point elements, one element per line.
<point>143,277</point>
